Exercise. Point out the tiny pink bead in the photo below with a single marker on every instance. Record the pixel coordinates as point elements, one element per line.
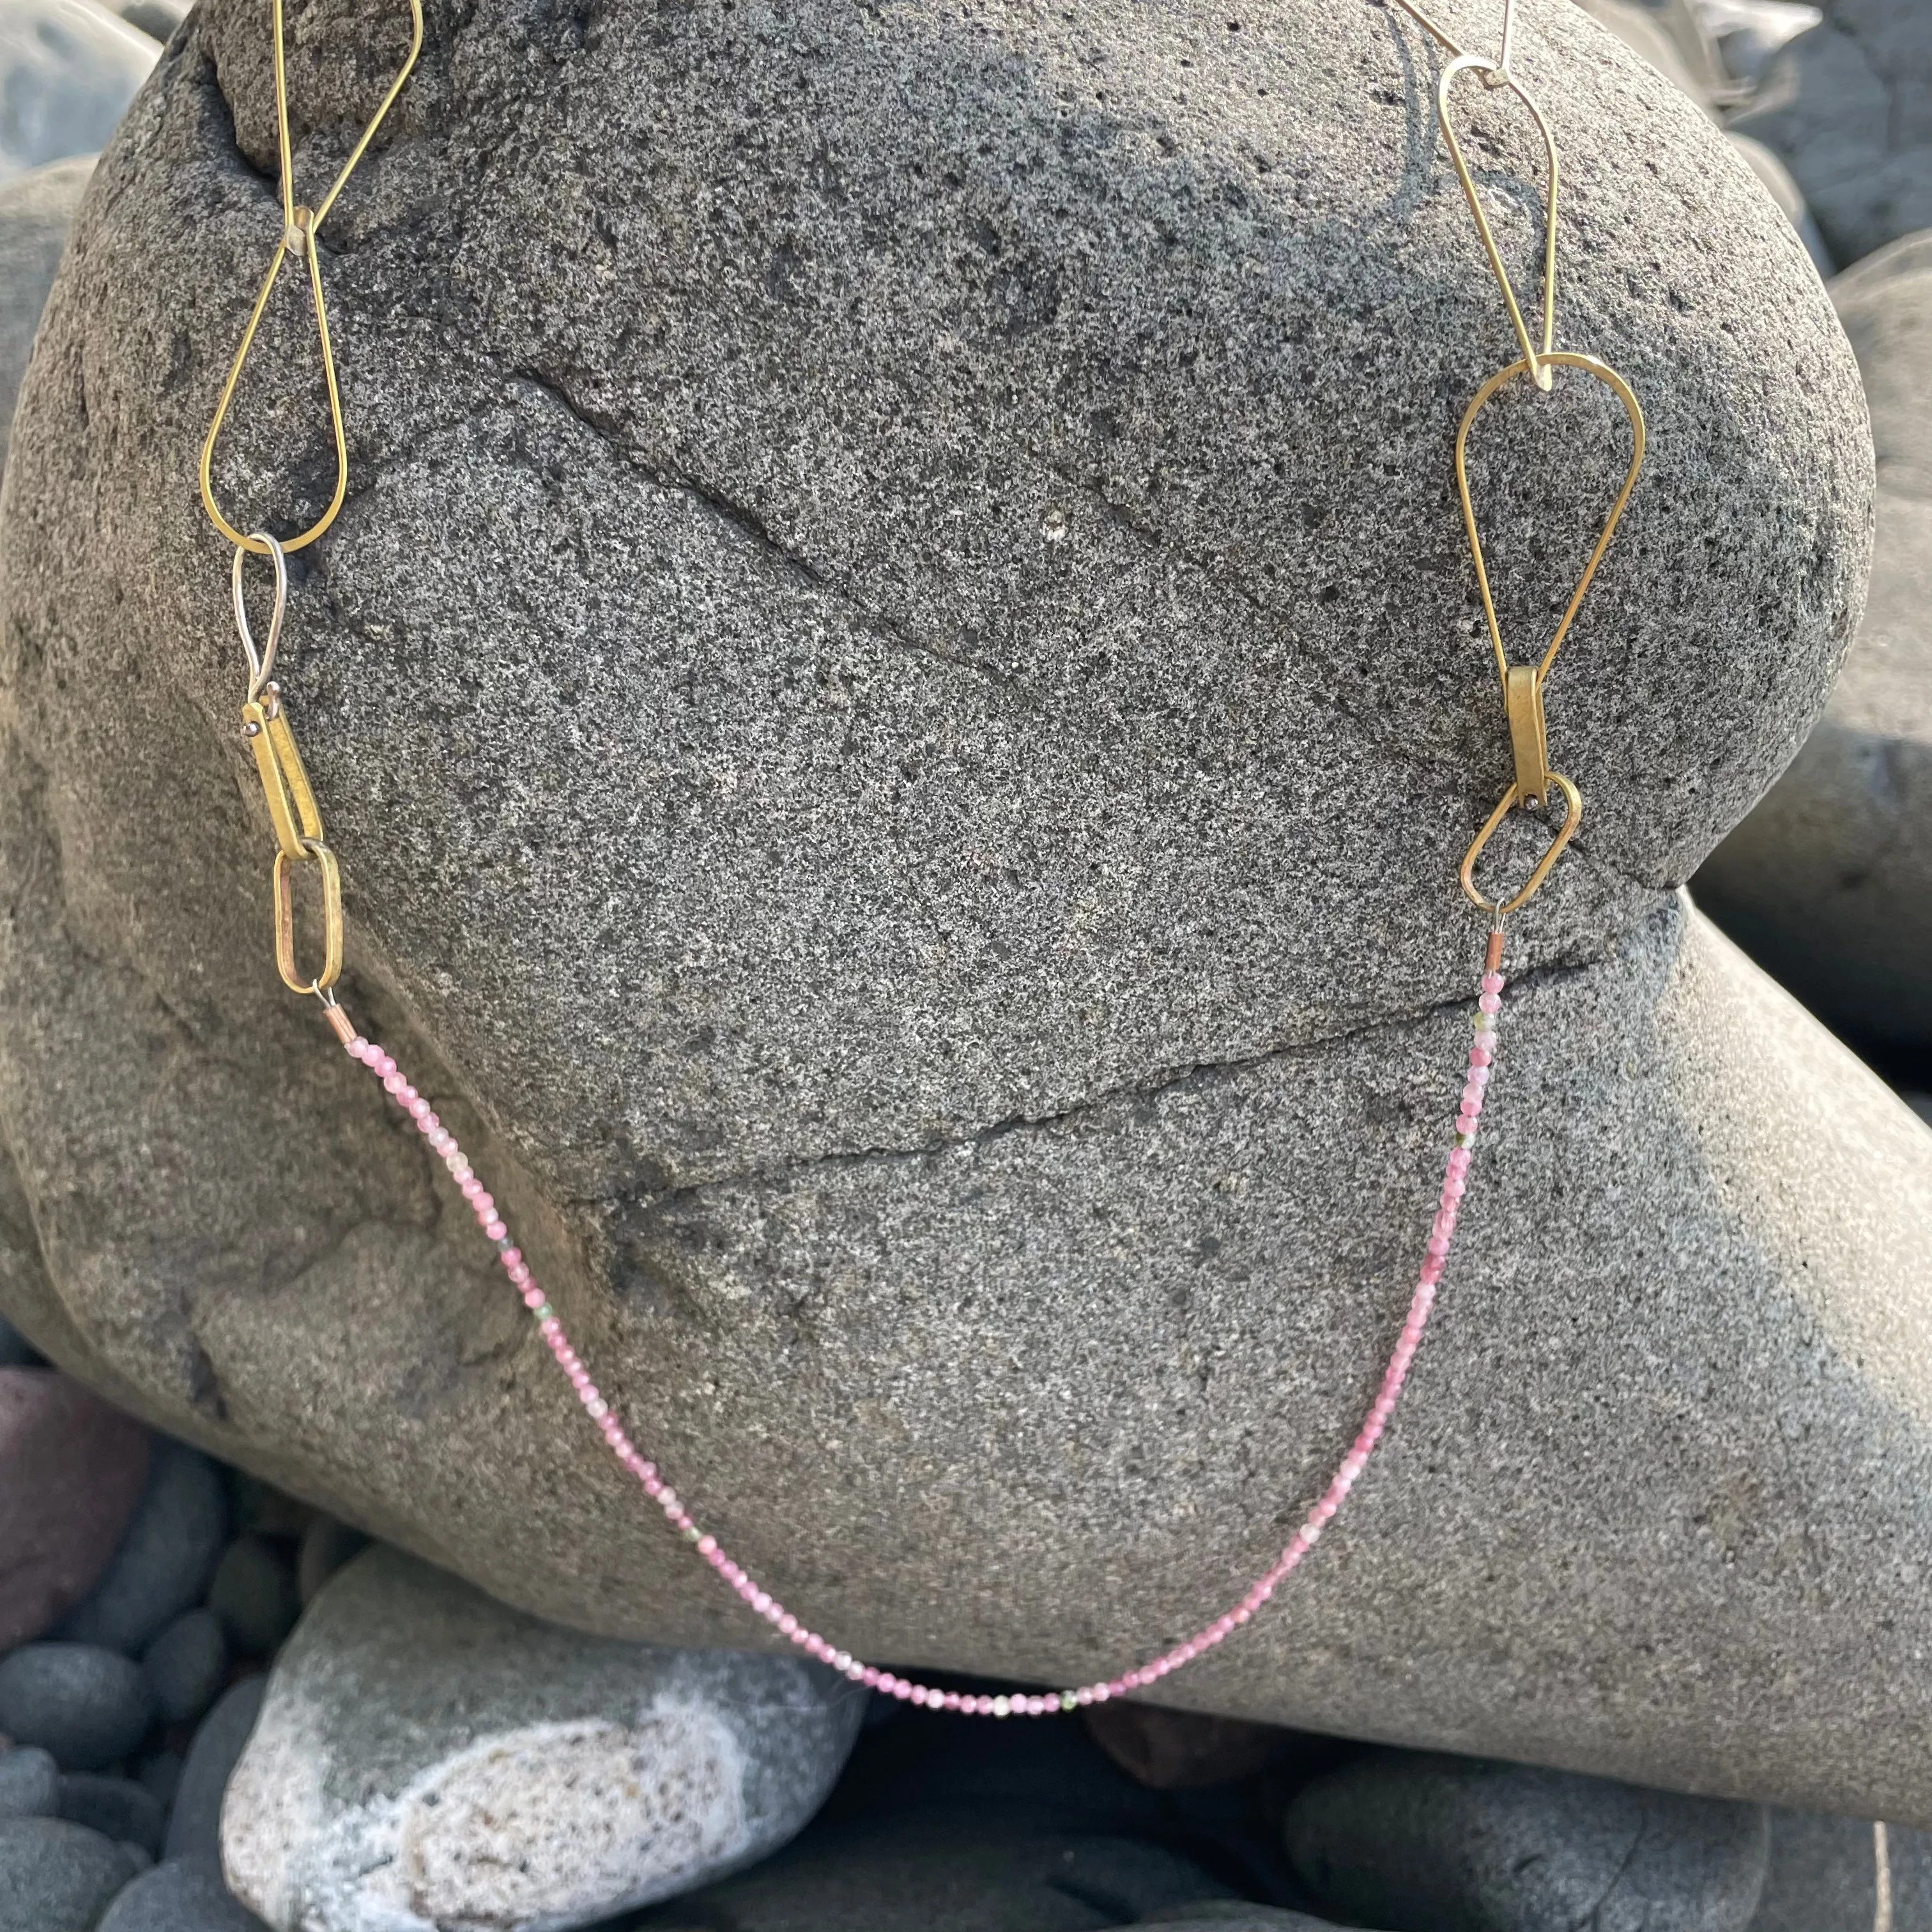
<point>549,1325</point>
<point>483,1202</point>
<point>1492,983</point>
<point>951,1700</point>
<point>519,1274</point>
<point>495,1230</point>
<point>1491,1002</point>
<point>511,1258</point>
<point>470,1187</point>
<point>869,1678</point>
<point>707,1546</point>
<point>533,1297</point>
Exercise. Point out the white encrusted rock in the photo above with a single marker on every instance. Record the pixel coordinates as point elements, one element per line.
<point>427,1759</point>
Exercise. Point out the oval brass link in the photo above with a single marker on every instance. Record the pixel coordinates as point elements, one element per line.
<point>1572,800</point>
<point>299,226</point>
<point>332,918</point>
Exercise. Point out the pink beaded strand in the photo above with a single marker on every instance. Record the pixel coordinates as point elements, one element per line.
<point>1482,1056</point>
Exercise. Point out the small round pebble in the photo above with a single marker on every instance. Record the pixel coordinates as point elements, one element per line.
<point>326,1546</point>
<point>88,1707</point>
<point>29,1783</point>
<point>253,1591</point>
<point>183,1895</point>
<point>1235,1915</point>
<point>166,1559</point>
<point>16,1350</point>
<point>116,1807</point>
<point>185,1665</point>
<point>161,1775</point>
<point>55,1876</point>
<point>194,1826</point>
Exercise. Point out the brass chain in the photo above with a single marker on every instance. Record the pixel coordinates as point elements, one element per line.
<point>264,723</point>
<point>1522,684</point>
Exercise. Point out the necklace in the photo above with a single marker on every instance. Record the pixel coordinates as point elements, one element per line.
<point>301,851</point>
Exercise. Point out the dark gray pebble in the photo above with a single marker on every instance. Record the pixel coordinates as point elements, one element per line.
<point>89,1707</point>
<point>161,1775</point>
<point>326,1546</point>
<point>253,1591</point>
<point>1412,1839</point>
<point>1235,1915</point>
<point>29,1783</point>
<point>16,1350</point>
<point>116,1807</point>
<point>55,1876</point>
<point>185,1666</point>
<point>165,1560</point>
<point>183,1895</point>
<point>194,1827</point>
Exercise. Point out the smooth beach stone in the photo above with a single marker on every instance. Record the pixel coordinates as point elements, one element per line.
<point>119,1808</point>
<point>68,69</point>
<point>88,1707</point>
<point>55,1876</point>
<point>166,1559</point>
<point>326,1546</point>
<point>186,1665</point>
<point>426,1756</point>
<point>161,1775</point>
<point>29,1783</point>
<point>1829,883</point>
<point>1421,1843</point>
<point>71,1470</point>
<point>1234,1915</point>
<point>897,690</point>
<point>1178,1750</point>
<point>194,1815</point>
<point>1846,107</point>
<point>16,1350</point>
<point>1822,1876</point>
<point>181,1895</point>
<point>252,1592</point>
<point>943,1874</point>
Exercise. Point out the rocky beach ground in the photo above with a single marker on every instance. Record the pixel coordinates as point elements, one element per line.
<point>300,1631</point>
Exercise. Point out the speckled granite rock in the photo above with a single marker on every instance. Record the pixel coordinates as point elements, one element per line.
<point>1829,882</point>
<point>427,1758</point>
<point>898,695</point>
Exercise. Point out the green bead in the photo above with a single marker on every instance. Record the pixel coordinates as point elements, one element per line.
<point>1066,1700</point>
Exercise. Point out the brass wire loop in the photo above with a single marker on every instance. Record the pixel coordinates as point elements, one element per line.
<point>298,237</point>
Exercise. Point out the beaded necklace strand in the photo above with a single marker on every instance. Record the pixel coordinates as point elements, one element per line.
<point>297,823</point>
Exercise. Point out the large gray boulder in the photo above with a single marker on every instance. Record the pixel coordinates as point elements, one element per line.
<point>426,1758</point>
<point>899,697</point>
<point>1829,882</point>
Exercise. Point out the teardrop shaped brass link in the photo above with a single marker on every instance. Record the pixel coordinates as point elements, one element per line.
<point>1497,74</point>
<point>1497,909</point>
<point>1605,374</point>
<point>299,227</point>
